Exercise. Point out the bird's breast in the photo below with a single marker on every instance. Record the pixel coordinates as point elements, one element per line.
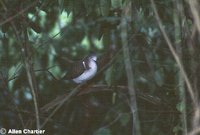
<point>87,74</point>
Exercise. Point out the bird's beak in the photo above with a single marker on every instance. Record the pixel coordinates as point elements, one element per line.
<point>94,58</point>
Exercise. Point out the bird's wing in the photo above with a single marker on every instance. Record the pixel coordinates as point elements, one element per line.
<point>75,70</point>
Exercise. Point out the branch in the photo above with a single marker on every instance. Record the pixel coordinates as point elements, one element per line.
<point>194,98</point>
<point>176,57</point>
<point>129,71</point>
<point>19,13</point>
<point>194,6</point>
<point>65,99</point>
<point>31,76</point>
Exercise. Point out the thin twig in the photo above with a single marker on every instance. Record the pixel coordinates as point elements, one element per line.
<point>177,59</point>
<point>194,98</point>
<point>195,131</point>
<point>178,17</point>
<point>194,6</point>
<point>129,71</point>
<point>19,13</point>
<point>31,77</point>
<point>30,80</point>
<point>74,91</point>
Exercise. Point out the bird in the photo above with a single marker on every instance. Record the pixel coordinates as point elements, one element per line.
<point>83,70</point>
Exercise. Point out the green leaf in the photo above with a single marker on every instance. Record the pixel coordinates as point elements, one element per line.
<point>12,71</point>
<point>124,119</point>
<point>105,7</point>
<point>159,77</point>
<point>56,72</point>
<point>61,3</point>
<point>108,76</point>
<point>116,3</point>
<point>103,131</point>
<point>177,128</point>
<point>180,106</point>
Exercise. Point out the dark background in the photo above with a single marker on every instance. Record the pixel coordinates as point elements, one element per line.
<point>44,37</point>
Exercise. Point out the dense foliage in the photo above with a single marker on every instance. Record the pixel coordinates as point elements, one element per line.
<point>41,39</point>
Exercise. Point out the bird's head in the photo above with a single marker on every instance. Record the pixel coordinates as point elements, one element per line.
<point>93,56</point>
